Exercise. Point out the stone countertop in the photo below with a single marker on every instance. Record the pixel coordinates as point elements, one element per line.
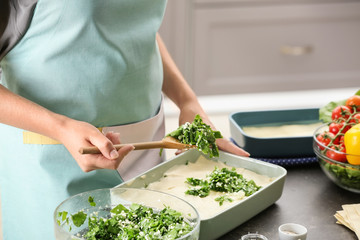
<point>309,198</point>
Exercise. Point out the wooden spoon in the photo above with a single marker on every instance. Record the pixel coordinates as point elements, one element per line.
<point>167,142</point>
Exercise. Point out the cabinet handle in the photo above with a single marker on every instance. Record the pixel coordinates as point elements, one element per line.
<point>296,50</point>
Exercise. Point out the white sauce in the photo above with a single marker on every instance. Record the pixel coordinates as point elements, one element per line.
<point>291,130</point>
<point>174,183</point>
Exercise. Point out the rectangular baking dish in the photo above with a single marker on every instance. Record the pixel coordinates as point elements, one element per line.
<point>232,217</point>
<point>300,146</point>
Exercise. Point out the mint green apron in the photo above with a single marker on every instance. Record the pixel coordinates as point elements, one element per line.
<point>91,60</point>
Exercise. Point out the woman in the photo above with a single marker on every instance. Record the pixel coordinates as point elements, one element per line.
<point>77,74</point>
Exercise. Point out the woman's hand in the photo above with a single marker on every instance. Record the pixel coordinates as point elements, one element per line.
<point>81,134</point>
<point>22,113</point>
<point>227,146</point>
<point>188,113</point>
<point>178,90</point>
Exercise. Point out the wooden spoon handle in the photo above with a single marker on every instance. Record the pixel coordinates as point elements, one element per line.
<point>138,146</point>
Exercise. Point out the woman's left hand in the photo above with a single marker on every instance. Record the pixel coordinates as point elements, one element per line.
<point>187,114</point>
<point>178,90</point>
<point>227,146</point>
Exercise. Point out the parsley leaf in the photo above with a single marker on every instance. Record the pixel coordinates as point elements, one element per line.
<point>118,209</point>
<point>135,222</point>
<point>199,134</point>
<point>221,180</point>
<point>138,222</point>
<point>91,201</point>
<point>222,199</point>
<point>78,218</point>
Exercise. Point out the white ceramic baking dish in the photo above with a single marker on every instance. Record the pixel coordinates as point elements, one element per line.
<point>234,216</point>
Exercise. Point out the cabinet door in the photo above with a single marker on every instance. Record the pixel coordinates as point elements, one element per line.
<point>275,48</point>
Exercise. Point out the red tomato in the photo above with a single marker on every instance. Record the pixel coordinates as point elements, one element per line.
<point>355,118</point>
<point>353,101</point>
<point>342,143</point>
<point>347,127</point>
<point>337,155</point>
<point>335,127</point>
<point>341,112</point>
<point>324,139</point>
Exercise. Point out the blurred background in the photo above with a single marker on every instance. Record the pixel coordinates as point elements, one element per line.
<point>244,55</point>
<point>253,46</point>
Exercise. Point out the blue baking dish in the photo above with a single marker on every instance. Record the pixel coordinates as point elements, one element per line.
<point>273,147</point>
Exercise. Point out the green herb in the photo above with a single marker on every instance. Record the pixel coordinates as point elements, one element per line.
<point>136,222</point>
<point>221,180</point>
<point>326,111</point>
<point>202,187</point>
<point>199,134</point>
<point>63,215</point>
<point>118,209</point>
<point>91,201</point>
<point>79,218</point>
<point>222,199</point>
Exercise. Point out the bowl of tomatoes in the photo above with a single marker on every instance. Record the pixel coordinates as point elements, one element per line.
<point>337,143</point>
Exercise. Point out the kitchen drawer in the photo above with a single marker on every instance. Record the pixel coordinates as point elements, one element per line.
<point>274,47</point>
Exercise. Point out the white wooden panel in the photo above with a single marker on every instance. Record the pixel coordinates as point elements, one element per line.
<point>238,50</point>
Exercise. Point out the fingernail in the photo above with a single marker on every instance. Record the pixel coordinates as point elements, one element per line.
<point>114,154</point>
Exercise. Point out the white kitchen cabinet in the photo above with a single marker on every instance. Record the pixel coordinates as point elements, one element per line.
<point>239,46</point>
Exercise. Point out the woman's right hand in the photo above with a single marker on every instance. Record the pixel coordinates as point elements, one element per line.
<point>79,134</point>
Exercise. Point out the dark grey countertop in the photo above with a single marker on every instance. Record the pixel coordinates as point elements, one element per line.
<point>310,199</point>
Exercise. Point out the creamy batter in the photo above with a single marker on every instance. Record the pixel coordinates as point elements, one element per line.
<point>291,130</point>
<point>174,180</point>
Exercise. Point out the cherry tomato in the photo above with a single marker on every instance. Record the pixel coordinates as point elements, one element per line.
<point>335,127</point>
<point>341,125</point>
<point>342,143</point>
<point>324,139</point>
<point>353,101</point>
<point>355,119</point>
<point>336,154</point>
<point>341,112</point>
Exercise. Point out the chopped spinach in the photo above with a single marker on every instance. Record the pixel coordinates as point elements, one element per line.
<point>63,215</point>
<point>91,201</point>
<point>135,222</point>
<point>222,199</point>
<point>79,218</point>
<point>138,222</point>
<point>199,134</point>
<point>221,180</point>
